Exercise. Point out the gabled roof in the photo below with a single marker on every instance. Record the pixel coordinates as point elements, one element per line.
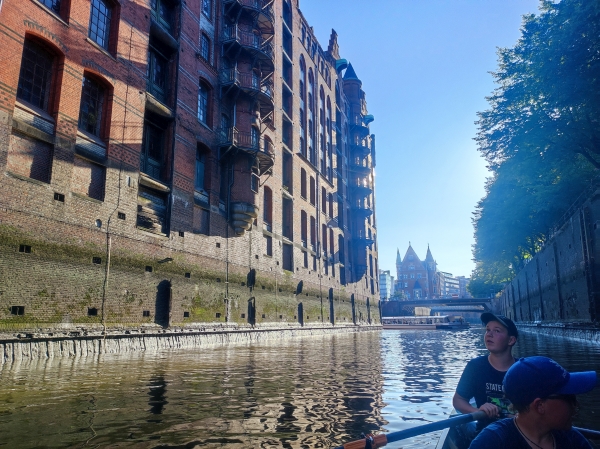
<point>411,252</point>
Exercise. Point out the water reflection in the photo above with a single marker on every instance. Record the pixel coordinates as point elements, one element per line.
<point>316,392</point>
<point>157,393</point>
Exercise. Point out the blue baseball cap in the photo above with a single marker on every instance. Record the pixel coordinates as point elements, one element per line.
<point>539,377</point>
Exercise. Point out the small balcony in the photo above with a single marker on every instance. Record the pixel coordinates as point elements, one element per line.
<point>251,84</point>
<point>360,150</point>
<point>361,189</point>
<point>362,210</point>
<point>232,140</point>
<point>260,10</point>
<point>359,168</point>
<point>358,126</point>
<point>235,39</point>
<point>362,239</point>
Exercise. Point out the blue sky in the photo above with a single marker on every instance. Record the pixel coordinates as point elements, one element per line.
<point>424,65</point>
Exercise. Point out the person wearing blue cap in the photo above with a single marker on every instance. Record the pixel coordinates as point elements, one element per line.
<point>482,377</point>
<point>543,394</point>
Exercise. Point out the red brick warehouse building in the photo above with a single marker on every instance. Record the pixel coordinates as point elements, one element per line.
<point>170,163</point>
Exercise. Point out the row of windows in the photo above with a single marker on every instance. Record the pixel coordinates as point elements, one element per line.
<point>287,253</point>
<point>35,84</point>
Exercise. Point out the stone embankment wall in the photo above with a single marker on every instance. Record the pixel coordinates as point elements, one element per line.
<point>588,333</point>
<point>560,286</point>
<point>53,279</point>
<point>29,347</point>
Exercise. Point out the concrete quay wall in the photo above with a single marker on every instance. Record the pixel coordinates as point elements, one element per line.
<point>30,347</point>
<point>561,283</point>
<point>585,333</point>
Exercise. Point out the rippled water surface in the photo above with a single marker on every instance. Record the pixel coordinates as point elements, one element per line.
<point>303,393</point>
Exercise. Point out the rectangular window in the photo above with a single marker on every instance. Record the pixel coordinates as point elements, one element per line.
<point>157,74</point>
<point>288,257</point>
<point>152,150</point>
<point>268,245</point>
<point>203,103</point>
<point>205,47</point>
<point>304,228</point>
<point>200,169</point>
<point>207,8</point>
<point>90,109</point>
<point>36,75</point>
<point>53,5</point>
<point>164,12</point>
<point>100,18</point>
<point>287,174</point>
<point>313,233</point>
<point>303,183</point>
<point>201,221</point>
<point>268,207</point>
<point>287,218</point>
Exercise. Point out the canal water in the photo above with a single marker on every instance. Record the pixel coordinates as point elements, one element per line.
<point>314,392</point>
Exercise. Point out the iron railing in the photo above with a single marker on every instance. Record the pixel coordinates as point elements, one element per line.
<point>248,39</point>
<point>247,80</point>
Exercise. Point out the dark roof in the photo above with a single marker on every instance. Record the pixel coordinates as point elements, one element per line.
<point>350,73</point>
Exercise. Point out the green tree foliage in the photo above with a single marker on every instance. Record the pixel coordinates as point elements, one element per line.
<point>540,136</point>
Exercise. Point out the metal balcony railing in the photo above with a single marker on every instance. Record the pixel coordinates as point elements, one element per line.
<point>247,81</point>
<point>231,136</point>
<point>248,39</point>
<point>262,6</point>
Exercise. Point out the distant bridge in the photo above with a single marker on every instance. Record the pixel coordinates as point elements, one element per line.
<point>484,302</point>
<point>395,308</point>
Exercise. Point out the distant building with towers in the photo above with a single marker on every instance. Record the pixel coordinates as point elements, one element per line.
<point>416,279</point>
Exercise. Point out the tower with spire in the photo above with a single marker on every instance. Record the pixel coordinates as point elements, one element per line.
<point>416,279</point>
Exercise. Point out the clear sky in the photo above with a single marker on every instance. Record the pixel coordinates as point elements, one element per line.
<point>424,65</point>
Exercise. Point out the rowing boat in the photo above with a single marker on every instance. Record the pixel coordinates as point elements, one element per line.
<point>450,439</point>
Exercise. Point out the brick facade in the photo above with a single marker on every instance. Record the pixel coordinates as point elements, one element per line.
<point>136,146</point>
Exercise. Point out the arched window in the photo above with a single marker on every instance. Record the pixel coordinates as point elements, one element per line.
<point>36,75</point>
<point>203,102</point>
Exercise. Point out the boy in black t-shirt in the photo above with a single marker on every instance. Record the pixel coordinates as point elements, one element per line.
<point>482,377</point>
